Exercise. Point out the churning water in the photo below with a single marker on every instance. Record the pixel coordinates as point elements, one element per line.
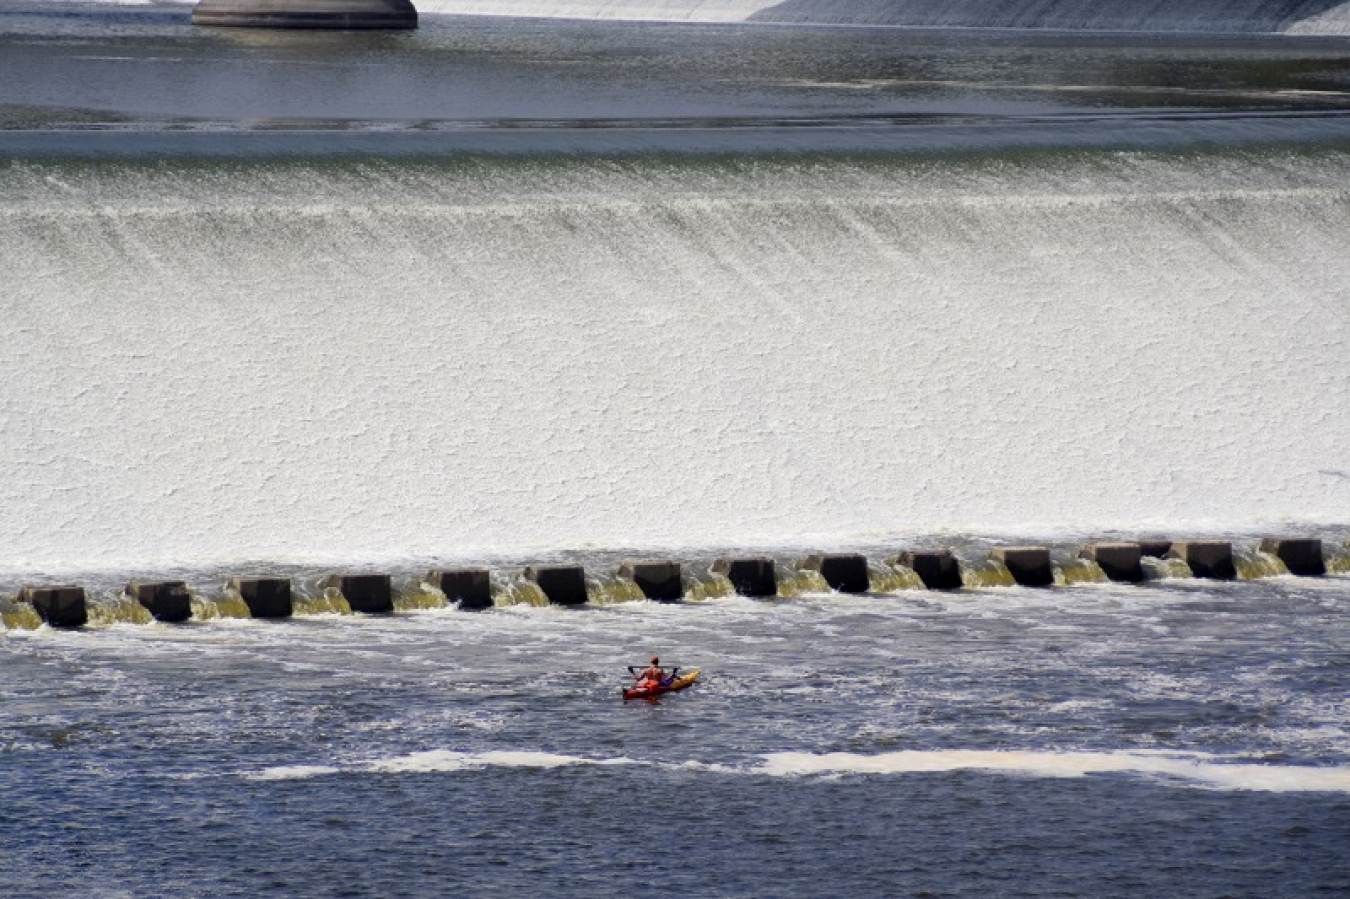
<point>505,291</point>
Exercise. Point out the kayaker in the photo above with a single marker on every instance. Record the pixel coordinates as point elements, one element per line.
<point>653,675</point>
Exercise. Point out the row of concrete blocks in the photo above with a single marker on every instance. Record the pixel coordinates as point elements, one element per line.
<point>1030,566</point>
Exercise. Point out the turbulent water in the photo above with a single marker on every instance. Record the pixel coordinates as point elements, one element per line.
<point>1103,741</point>
<point>505,291</point>
<point>292,358</point>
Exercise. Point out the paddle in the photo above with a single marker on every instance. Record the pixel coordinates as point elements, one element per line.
<point>665,682</point>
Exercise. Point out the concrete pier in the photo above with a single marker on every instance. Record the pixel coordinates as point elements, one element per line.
<point>268,597</point>
<point>1120,561</point>
<point>1207,558</point>
<point>57,606</point>
<point>167,601</point>
<point>937,568</point>
<point>331,14</point>
<point>564,585</point>
<point>659,580</point>
<point>1302,556</point>
<point>1029,565</point>
<point>470,587</point>
<point>367,594</point>
<point>749,576</point>
<point>845,573</point>
<point>1156,549</point>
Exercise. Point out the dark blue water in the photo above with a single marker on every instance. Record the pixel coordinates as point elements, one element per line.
<point>1104,740</point>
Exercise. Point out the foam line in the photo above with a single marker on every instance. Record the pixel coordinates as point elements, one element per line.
<point>442,760</point>
<point>1187,769</point>
<point>1199,769</point>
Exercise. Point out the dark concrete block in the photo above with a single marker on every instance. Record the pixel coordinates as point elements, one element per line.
<point>749,577</point>
<point>658,580</point>
<point>1030,565</point>
<point>268,597</point>
<point>57,606</point>
<point>339,14</point>
<point>165,600</point>
<point>1156,549</point>
<point>564,585</point>
<point>470,587</point>
<point>1120,561</point>
<point>938,568</point>
<point>844,573</point>
<point>1207,558</point>
<point>368,594</point>
<point>1301,556</point>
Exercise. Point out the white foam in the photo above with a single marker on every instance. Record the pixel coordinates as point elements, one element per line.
<point>293,772</point>
<point>444,760</point>
<point>1198,769</point>
<point>590,354</point>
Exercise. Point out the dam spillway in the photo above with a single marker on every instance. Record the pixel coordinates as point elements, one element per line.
<point>685,354</point>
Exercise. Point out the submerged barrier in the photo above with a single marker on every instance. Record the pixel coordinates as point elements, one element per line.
<point>167,601</point>
<point>1303,557</point>
<point>57,606</point>
<point>844,573</point>
<point>749,576</point>
<point>659,580</point>
<point>1206,558</point>
<point>564,585</point>
<point>470,587</point>
<point>668,580</point>
<point>1119,561</point>
<point>938,568</point>
<point>370,594</point>
<point>265,597</point>
<point>1029,565</point>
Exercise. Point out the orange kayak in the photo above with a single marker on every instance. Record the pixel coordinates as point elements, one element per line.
<point>671,686</point>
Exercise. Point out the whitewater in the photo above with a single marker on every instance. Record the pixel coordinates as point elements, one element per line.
<point>510,290</point>
<point>498,355</point>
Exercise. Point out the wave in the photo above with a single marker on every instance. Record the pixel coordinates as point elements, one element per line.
<point>1327,17</point>
<point>1178,769</point>
<point>1191,769</point>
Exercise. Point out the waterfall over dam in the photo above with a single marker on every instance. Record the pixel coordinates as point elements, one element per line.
<point>1211,16</point>
<point>308,359</point>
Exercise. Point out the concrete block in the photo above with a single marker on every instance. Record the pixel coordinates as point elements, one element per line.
<point>267,597</point>
<point>845,573</point>
<point>1120,561</point>
<point>165,600</point>
<point>749,576</point>
<point>564,585</point>
<point>1029,565</point>
<point>57,606</point>
<point>1156,549</point>
<point>1302,556</point>
<point>340,14</point>
<point>937,568</point>
<point>470,587</point>
<point>659,580</point>
<point>1207,558</point>
<point>368,594</point>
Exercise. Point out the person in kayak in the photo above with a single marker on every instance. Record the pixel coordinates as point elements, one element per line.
<point>653,675</point>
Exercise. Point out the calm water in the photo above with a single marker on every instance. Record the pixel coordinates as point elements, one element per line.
<point>508,291</point>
